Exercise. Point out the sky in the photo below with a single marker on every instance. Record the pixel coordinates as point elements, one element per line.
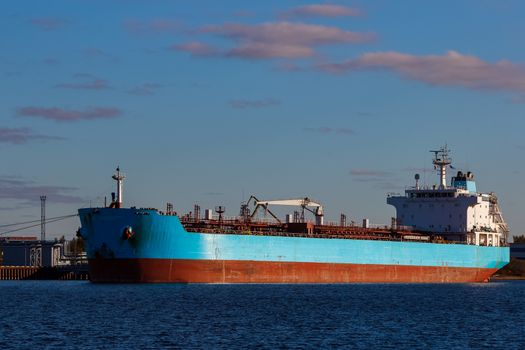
<point>206,102</point>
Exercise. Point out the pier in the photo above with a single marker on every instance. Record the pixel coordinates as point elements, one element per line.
<point>76,272</point>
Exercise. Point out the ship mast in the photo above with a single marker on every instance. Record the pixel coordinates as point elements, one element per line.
<point>119,177</point>
<point>441,161</point>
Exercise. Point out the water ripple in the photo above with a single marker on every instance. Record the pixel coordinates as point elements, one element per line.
<point>72,315</point>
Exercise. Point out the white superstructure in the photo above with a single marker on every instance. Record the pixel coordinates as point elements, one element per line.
<point>456,212</point>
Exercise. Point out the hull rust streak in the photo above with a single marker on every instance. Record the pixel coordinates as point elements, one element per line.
<point>232,271</point>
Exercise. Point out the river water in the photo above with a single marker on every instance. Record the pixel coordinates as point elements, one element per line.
<point>78,314</point>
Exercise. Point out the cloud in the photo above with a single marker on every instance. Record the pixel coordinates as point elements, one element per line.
<point>19,136</point>
<point>269,50</point>
<point>369,173</point>
<point>18,189</point>
<point>321,10</point>
<point>51,61</point>
<point>451,69</point>
<point>381,179</point>
<point>345,131</point>
<point>326,130</point>
<point>92,84</point>
<point>197,49</point>
<point>145,89</point>
<point>95,53</point>
<point>282,39</point>
<point>138,27</point>
<point>69,115</point>
<point>419,170</point>
<point>241,104</point>
<point>49,23</point>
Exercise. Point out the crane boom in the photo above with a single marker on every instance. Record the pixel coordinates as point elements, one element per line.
<point>305,203</point>
<point>300,202</point>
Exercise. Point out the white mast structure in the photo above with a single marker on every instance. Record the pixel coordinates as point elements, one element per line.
<point>441,161</point>
<point>119,177</point>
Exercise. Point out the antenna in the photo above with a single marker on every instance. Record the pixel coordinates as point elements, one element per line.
<point>119,177</point>
<point>441,161</point>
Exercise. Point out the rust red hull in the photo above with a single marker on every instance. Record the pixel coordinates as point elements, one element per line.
<point>234,271</point>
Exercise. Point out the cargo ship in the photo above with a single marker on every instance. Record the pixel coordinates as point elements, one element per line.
<point>441,233</point>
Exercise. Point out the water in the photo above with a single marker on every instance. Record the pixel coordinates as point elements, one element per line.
<point>77,314</point>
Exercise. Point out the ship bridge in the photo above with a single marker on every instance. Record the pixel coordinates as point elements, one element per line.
<point>457,212</point>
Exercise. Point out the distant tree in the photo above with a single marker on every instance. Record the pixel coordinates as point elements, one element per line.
<point>519,239</point>
<point>76,245</point>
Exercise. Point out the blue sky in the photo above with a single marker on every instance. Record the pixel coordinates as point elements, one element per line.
<point>206,103</point>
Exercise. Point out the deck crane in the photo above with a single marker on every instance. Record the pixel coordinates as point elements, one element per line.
<point>305,203</point>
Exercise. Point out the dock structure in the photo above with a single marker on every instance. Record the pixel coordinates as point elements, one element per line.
<point>72,272</point>
<point>27,258</point>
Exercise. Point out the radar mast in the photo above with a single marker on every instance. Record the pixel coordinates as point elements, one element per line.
<point>441,161</point>
<point>119,177</point>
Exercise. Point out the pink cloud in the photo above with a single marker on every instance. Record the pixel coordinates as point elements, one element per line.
<point>146,89</point>
<point>21,135</point>
<point>241,103</point>
<point>49,23</point>
<point>138,27</point>
<point>451,69</point>
<point>288,33</point>
<point>196,48</point>
<point>322,10</point>
<point>69,115</point>
<point>282,39</point>
<point>92,84</point>
<point>268,50</point>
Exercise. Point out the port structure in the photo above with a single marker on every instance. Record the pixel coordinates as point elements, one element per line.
<point>305,204</point>
<point>43,218</point>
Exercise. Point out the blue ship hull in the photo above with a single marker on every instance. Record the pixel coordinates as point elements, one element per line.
<point>159,249</point>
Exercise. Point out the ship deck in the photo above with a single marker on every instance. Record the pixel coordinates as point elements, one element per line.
<point>306,229</point>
